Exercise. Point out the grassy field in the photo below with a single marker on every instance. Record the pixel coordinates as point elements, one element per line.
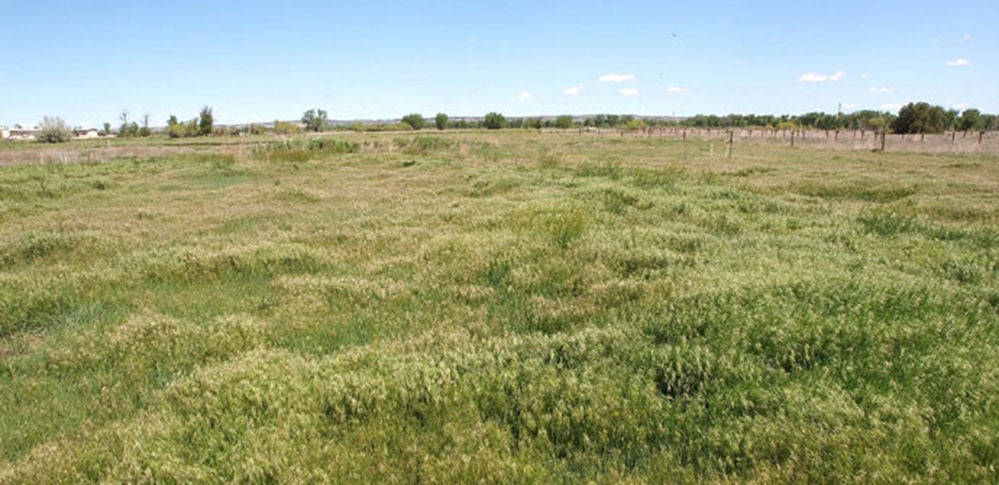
<point>512,306</point>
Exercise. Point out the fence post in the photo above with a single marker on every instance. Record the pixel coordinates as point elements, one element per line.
<point>980,135</point>
<point>731,140</point>
<point>884,135</point>
<point>792,138</point>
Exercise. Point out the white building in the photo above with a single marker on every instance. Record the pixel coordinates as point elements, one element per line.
<point>21,132</point>
<point>86,133</point>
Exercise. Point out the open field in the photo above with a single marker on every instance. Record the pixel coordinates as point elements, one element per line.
<point>510,306</point>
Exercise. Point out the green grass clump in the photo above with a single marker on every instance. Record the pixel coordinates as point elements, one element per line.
<point>499,307</point>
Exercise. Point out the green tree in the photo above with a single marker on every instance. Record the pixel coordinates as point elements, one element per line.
<point>415,120</point>
<point>145,130</point>
<point>206,121</point>
<point>920,118</point>
<point>107,129</point>
<point>441,121</point>
<point>970,120</point>
<point>635,124</point>
<point>563,122</point>
<point>494,121</point>
<point>990,122</point>
<point>123,130</point>
<point>314,120</point>
<point>534,122</point>
<point>174,128</point>
<point>53,130</point>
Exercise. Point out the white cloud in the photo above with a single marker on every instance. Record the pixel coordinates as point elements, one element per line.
<point>865,76</point>
<point>677,89</point>
<point>891,107</point>
<point>849,106</point>
<point>961,62</point>
<point>617,78</point>
<point>573,90</point>
<point>880,90</point>
<point>967,37</point>
<point>628,91</point>
<point>960,106</point>
<point>525,96</point>
<point>815,77</point>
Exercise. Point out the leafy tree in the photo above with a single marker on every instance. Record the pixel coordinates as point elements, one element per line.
<point>107,129</point>
<point>970,120</point>
<point>415,120</point>
<point>534,123</point>
<point>314,120</point>
<point>563,122</point>
<point>877,123</point>
<point>441,121</point>
<point>635,125</point>
<point>123,130</point>
<point>920,118</point>
<point>145,130</point>
<point>494,121</point>
<point>53,130</point>
<point>206,121</point>
<point>990,122</point>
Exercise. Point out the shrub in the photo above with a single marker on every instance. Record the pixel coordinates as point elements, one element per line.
<point>286,128</point>
<point>54,130</point>
<point>441,121</point>
<point>415,120</point>
<point>314,120</point>
<point>494,121</point>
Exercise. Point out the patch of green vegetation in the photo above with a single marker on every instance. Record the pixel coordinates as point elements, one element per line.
<point>513,307</point>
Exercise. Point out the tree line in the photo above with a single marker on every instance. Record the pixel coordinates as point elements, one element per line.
<point>916,117</point>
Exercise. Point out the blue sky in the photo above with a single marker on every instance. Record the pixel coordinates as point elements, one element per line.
<point>261,60</point>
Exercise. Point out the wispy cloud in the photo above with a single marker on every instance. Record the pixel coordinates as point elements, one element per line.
<point>865,76</point>
<point>628,91</point>
<point>617,78</point>
<point>967,37</point>
<point>677,89</point>
<point>573,90</point>
<point>525,96</point>
<point>960,106</point>
<point>960,62</point>
<point>849,106</point>
<point>816,77</point>
<point>880,90</point>
<point>891,107</point>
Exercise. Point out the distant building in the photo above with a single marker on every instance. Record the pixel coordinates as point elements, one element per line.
<point>86,133</point>
<point>21,132</point>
